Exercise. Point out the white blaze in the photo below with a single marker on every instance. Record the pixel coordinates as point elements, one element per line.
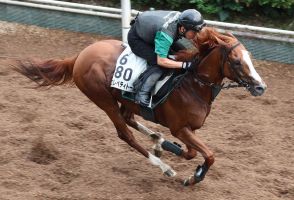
<point>248,61</point>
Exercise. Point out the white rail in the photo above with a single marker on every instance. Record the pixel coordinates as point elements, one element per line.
<point>57,8</point>
<point>77,5</point>
<point>250,28</point>
<point>126,19</point>
<point>259,36</point>
<point>242,30</point>
<point>82,6</point>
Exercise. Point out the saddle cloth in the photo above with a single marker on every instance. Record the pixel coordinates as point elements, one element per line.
<point>128,69</point>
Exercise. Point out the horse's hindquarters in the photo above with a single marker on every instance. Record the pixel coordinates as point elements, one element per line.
<point>96,63</point>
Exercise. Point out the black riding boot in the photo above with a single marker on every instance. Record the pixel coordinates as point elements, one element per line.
<point>144,94</point>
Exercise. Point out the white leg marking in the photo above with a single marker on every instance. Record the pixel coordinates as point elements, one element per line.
<point>144,129</point>
<point>154,136</point>
<point>157,162</point>
<point>248,61</point>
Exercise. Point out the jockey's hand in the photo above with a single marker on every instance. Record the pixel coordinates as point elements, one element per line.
<point>188,65</point>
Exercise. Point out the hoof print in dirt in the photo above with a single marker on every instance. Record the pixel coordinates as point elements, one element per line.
<point>43,152</point>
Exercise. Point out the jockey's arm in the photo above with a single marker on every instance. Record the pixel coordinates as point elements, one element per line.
<point>163,43</point>
<point>168,63</point>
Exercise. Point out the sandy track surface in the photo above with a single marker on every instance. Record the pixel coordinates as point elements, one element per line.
<point>57,145</point>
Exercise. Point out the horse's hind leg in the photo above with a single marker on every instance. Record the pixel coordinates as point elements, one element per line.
<point>111,108</point>
<point>130,120</point>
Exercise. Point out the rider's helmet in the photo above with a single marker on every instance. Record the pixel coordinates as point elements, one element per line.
<point>191,19</point>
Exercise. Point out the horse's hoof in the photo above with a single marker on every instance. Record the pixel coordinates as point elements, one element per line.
<point>189,181</point>
<point>170,173</point>
<point>186,182</point>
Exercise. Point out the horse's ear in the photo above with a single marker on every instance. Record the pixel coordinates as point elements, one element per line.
<point>230,34</point>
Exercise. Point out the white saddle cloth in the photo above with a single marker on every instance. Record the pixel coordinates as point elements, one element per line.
<point>128,69</point>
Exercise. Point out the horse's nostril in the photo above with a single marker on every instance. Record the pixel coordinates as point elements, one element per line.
<point>257,90</point>
<point>260,89</point>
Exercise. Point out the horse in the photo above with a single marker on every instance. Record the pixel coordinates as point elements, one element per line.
<point>186,108</point>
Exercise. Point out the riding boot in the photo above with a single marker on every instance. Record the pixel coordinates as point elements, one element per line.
<point>143,98</point>
<point>144,94</point>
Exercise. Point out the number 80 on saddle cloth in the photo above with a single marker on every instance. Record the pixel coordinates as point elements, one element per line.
<point>127,71</point>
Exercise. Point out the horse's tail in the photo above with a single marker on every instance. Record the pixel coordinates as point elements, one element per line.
<point>49,72</point>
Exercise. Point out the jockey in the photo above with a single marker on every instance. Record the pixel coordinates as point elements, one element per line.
<point>151,36</point>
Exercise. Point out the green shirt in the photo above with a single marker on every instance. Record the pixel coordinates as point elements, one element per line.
<point>163,43</point>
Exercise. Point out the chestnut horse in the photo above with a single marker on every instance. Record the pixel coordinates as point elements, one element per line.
<point>184,111</point>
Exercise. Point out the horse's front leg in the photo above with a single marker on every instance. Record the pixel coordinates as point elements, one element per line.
<point>188,137</point>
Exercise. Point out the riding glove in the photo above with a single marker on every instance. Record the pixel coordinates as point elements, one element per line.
<point>187,65</point>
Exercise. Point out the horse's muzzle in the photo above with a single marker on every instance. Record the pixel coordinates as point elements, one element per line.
<point>257,89</point>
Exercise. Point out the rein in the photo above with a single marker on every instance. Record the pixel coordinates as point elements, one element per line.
<point>216,88</point>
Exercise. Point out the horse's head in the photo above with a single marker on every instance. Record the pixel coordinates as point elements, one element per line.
<point>236,62</point>
<point>238,66</point>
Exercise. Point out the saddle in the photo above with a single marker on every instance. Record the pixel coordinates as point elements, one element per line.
<point>168,82</point>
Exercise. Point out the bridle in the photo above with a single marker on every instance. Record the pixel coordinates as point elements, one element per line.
<point>233,68</point>
<point>216,88</point>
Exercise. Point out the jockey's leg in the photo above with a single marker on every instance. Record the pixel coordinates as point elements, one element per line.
<point>153,73</point>
<point>189,138</point>
<point>144,93</point>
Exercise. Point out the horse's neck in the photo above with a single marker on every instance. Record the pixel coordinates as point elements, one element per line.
<point>209,72</point>
<point>210,67</point>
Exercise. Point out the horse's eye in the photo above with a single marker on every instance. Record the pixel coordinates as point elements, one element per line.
<point>237,62</point>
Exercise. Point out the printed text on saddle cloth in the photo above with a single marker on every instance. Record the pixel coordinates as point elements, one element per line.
<point>128,69</point>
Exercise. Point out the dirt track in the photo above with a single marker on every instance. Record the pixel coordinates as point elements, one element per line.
<point>57,145</point>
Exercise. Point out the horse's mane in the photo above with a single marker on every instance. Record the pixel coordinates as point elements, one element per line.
<point>204,42</point>
<point>210,38</point>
